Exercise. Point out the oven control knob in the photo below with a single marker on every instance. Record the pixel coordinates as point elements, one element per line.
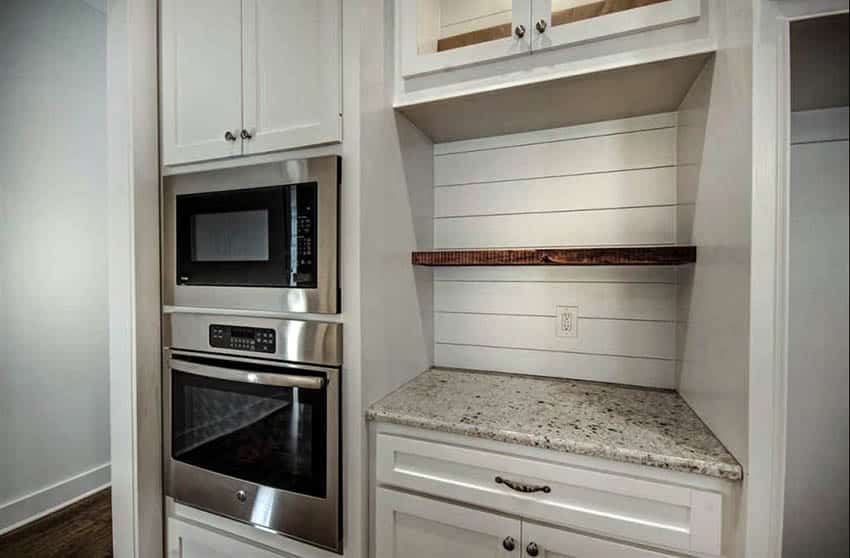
<point>241,496</point>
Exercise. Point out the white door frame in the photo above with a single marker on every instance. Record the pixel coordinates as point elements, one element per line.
<point>134,286</point>
<point>765,477</point>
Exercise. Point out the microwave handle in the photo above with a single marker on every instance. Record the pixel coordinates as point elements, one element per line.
<point>245,376</point>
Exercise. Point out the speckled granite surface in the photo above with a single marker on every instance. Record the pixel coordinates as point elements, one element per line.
<point>648,427</point>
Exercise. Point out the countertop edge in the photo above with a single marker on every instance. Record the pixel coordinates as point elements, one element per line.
<point>723,471</point>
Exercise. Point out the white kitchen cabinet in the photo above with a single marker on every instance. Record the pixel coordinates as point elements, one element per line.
<point>440,34</point>
<point>250,76</point>
<point>547,542</point>
<point>185,540</point>
<point>408,526</point>
<point>435,35</point>
<point>201,79</point>
<point>570,22</point>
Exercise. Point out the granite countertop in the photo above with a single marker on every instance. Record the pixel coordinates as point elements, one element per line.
<point>634,425</point>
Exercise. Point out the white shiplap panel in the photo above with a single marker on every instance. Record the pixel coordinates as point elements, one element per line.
<point>607,128</point>
<point>609,337</point>
<point>560,274</point>
<point>626,227</point>
<point>598,368</point>
<point>652,148</point>
<point>595,300</point>
<point>635,188</point>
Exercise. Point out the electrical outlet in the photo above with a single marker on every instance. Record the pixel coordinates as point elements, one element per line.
<point>567,318</point>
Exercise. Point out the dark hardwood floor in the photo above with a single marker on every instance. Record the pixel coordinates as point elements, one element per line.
<point>82,530</point>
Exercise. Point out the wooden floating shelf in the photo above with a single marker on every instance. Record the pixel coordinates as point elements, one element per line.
<point>647,255</point>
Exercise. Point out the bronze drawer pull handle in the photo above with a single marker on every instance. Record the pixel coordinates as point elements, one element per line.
<point>522,487</point>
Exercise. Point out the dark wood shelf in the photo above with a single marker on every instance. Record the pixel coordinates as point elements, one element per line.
<point>645,255</point>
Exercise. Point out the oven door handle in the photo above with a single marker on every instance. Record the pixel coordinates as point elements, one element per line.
<point>248,377</point>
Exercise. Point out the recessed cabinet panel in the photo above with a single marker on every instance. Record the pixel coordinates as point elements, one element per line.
<point>291,62</point>
<point>201,79</point>
<point>408,526</point>
<point>439,34</point>
<point>566,22</point>
<point>559,543</point>
<point>186,540</point>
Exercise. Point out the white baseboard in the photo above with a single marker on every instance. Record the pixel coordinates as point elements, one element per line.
<point>19,512</point>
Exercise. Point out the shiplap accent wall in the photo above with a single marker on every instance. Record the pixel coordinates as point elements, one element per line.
<point>603,184</point>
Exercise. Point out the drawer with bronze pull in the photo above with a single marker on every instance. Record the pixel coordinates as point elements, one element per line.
<point>596,501</point>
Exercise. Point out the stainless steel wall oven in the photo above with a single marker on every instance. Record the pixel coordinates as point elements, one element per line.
<point>252,422</point>
<point>262,238</point>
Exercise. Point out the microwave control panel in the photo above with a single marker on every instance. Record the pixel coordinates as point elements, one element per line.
<point>240,338</point>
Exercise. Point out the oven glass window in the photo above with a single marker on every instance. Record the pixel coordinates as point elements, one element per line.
<point>233,236</point>
<point>271,436</point>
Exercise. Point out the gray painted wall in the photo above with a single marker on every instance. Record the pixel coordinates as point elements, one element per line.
<point>54,403</point>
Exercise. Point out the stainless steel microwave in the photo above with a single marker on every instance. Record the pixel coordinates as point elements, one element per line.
<point>261,238</point>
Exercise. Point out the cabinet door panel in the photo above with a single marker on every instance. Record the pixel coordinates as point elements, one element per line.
<point>408,526</point>
<point>291,64</point>
<point>566,22</point>
<point>558,543</point>
<point>435,35</point>
<point>185,540</point>
<point>201,79</point>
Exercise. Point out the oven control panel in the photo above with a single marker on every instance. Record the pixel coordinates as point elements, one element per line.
<point>240,338</point>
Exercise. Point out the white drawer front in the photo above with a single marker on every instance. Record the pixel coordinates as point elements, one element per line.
<point>599,502</point>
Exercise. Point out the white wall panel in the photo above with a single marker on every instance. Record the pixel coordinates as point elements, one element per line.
<point>610,227</point>
<point>636,301</point>
<point>598,368</point>
<point>635,188</point>
<point>595,336</point>
<point>635,150</point>
<point>603,184</point>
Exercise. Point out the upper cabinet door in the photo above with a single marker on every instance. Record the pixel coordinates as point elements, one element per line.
<point>568,22</point>
<point>291,73</point>
<point>201,79</point>
<point>435,35</point>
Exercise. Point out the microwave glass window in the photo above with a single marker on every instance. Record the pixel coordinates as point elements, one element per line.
<point>272,436</point>
<point>257,237</point>
<point>234,236</point>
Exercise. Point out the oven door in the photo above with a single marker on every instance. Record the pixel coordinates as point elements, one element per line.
<point>255,441</point>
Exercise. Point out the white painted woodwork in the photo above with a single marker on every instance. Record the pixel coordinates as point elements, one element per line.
<point>591,499</point>
<point>633,188</point>
<point>291,73</point>
<point>418,29</point>
<point>559,543</point>
<point>715,161</point>
<point>270,68</point>
<point>187,540</point>
<point>639,226</point>
<point>670,12</point>
<point>594,154</point>
<point>408,526</point>
<point>633,338</point>
<point>660,373</point>
<point>608,183</point>
<point>625,301</point>
<point>201,79</point>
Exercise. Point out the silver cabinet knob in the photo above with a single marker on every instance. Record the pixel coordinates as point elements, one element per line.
<point>532,549</point>
<point>246,135</point>
<point>241,496</point>
<point>519,31</point>
<point>541,26</point>
<point>228,135</point>
<point>509,544</point>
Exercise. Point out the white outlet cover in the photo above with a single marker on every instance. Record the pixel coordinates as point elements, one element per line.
<point>566,318</point>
